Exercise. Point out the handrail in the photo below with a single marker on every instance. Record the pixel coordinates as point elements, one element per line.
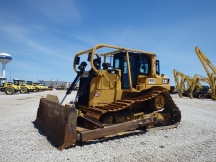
<point>207,63</point>
<point>98,46</point>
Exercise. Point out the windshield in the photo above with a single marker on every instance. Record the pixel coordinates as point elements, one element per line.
<point>22,82</point>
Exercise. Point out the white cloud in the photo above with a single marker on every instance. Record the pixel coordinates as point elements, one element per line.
<point>22,35</point>
<point>58,10</point>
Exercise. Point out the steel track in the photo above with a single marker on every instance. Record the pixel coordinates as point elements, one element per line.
<point>93,115</point>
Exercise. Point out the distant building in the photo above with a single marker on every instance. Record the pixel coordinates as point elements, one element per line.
<point>54,83</point>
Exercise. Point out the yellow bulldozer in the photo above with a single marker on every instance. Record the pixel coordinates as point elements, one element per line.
<point>123,90</point>
<point>8,88</point>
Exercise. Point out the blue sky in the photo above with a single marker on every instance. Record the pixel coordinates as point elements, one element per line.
<point>44,35</point>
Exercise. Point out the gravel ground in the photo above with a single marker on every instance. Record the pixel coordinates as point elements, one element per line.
<point>193,140</point>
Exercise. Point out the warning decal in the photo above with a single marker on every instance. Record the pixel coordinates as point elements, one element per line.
<point>151,81</point>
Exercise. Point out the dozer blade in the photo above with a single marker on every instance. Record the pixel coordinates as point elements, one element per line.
<point>57,122</point>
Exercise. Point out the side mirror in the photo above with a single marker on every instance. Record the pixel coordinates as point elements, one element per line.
<point>77,60</point>
<point>157,67</point>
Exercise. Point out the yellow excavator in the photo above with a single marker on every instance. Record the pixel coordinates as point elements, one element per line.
<point>207,66</point>
<point>122,91</point>
<point>191,87</point>
<point>198,90</point>
<point>175,89</point>
<point>184,84</point>
<point>204,91</point>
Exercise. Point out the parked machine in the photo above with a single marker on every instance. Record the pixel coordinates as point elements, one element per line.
<point>8,88</point>
<point>183,84</point>
<point>125,93</point>
<point>191,87</point>
<point>207,66</point>
<point>43,87</point>
<point>62,87</point>
<point>51,87</point>
<point>202,91</point>
<point>37,86</point>
<point>173,90</point>
<point>23,87</point>
<point>65,86</point>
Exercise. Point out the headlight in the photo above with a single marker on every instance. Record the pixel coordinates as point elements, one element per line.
<point>165,81</point>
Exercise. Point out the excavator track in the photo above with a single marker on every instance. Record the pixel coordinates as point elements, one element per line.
<point>95,113</point>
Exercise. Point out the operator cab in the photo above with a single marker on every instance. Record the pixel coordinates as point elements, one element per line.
<point>140,64</point>
<point>204,89</point>
<point>29,82</point>
<point>2,81</point>
<point>18,82</point>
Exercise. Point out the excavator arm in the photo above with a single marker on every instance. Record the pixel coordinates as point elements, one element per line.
<point>205,61</point>
<point>180,85</point>
<point>177,84</point>
<point>204,79</point>
<point>207,66</point>
<point>192,83</point>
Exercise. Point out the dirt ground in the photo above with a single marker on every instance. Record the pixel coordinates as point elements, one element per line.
<point>193,140</point>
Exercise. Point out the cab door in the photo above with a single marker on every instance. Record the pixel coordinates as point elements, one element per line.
<point>120,62</point>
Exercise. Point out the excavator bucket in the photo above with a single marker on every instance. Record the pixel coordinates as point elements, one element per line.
<point>57,122</point>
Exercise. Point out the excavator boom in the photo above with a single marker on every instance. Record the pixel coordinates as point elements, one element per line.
<point>207,66</point>
<point>205,61</point>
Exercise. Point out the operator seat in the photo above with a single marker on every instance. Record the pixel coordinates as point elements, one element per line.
<point>106,65</point>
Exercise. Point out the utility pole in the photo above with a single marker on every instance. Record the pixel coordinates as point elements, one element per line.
<point>10,76</point>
